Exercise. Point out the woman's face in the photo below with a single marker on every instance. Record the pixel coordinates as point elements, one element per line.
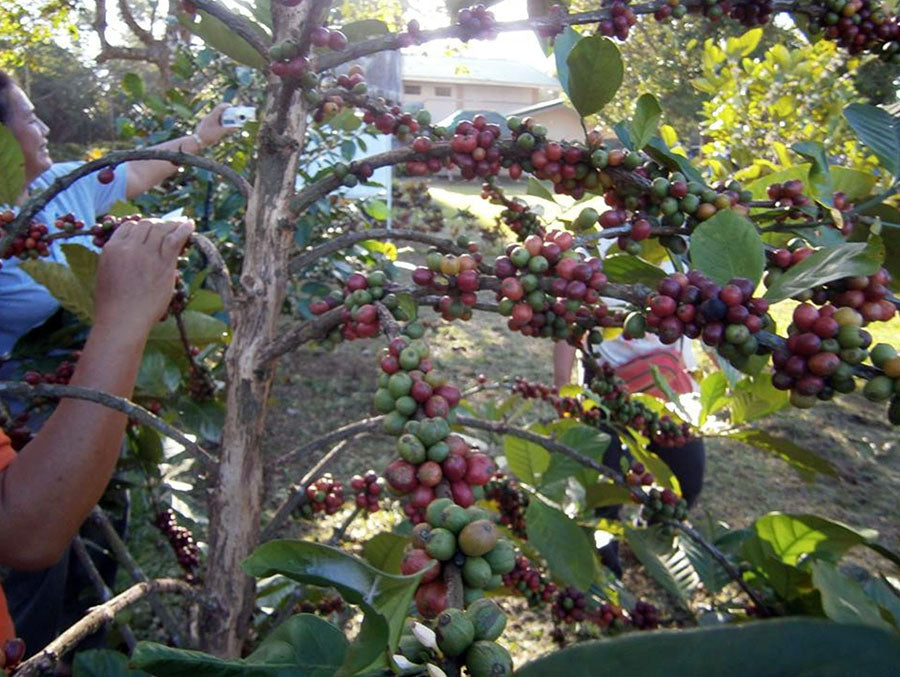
<point>31,133</point>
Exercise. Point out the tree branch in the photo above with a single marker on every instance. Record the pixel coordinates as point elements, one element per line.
<point>347,431</point>
<point>38,202</point>
<point>127,407</point>
<point>141,34</point>
<point>124,557</point>
<point>99,616</point>
<point>240,25</point>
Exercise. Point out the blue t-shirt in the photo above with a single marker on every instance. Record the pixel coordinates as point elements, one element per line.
<point>25,304</point>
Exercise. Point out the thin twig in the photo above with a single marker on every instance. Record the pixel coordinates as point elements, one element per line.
<point>297,497</point>
<point>99,616</point>
<point>100,586</point>
<point>132,410</point>
<point>338,534</point>
<point>134,570</point>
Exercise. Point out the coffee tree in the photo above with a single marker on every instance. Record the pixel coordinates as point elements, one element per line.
<point>816,232</point>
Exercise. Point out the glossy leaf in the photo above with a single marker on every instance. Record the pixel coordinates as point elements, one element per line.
<point>623,134</point>
<point>843,599</point>
<point>561,542</point>
<point>603,493</point>
<point>526,460</point>
<point>12,167</point>
<point>794,536</point>
<point>659,151</point>
<point>667,564</point>
<point>133,85</point>
<point>539,189</point>
<point>202,330</point>
<point>595,73</point>
<point>365,29</point>
<point>384,598</point>
<point>385,551</point>
<point>855,184</point>
<point>628,269</point>
<point>819,177</point>
<point>63,284</point>
<point>789,646</point>
<point>804,460</point>
<point>304,644</point>
<point>754,398</point>
<point>584,439</point>
<point>711,573</point>
<point>727,246</point>
<point>879,130</point>
<point>828,264</point>
<point>103,663</point>
<point>218,36</point>
<point>561,50</point>
<point>645,124</point>
<point>713,394</point>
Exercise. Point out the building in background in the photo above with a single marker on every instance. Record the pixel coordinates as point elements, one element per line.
<point>445,85</point>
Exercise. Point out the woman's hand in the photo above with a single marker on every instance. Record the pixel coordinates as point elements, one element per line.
<point>210,130</point>
<point>136,274</point>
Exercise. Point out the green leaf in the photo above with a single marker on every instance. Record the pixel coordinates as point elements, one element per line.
<point>159,375</point>
<point>628,269</point>
<point>218,36</point>
<point>792,537</point>
<point>205,418</point>
<point>83,262</point>
<point>886,596</point>
<point>603,493</point>
<point>663,385</point>
<point>623,133</point>
<point>561,542</point>
<point>526,460</point>
<point>879,130</point>
<point>788,646</point>
<point>384,598</point>
<point>62,283</point>
<point>754,397</point>
<point>804,460</point>
<point>358,31</point>
<point>562,47</point>
<point>12,167</point>
<point>103,663</point>
<point>711,573</point>
<point>133,85</point>
<point>637,445</point>
<point>645,125</point>
<point>843,599</point>
<point>854,183</point>
<point>377,209</point>
<point>595,73</point>
<point>385,551</point>
<point>819,177</point>
<point>582,438</point>
<point>201,329</point>
<point>304,644</point>
<point>408,305</point>
<point>713,394</point>
<point>727,246</point>
<point>659,151</point>
<point>386,249</point>
<point>828,264</point>
<point>668,565</point>
<point>205,301</point>
<point>539,189</point>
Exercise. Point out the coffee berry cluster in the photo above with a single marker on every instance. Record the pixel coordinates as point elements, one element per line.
<point>527,579</point>
<point>417,403</point>
<point>517,215</point>
<point>325,494</point>
<point>620,21</point>
<point>573,606</point>
<point>474,148</point>
<point>511,501</point>
<point>456,278</point>
<point>548,289</point>
<point>324,607</point>
<point>368,490</point>
<point>359,316</point>
<point>181,541</point>
<point>476,23</point>
<point>663,504</point>
<point>31,244</point>
<point>465,635</point>
<point>60,376</point>
<point>465,537</point>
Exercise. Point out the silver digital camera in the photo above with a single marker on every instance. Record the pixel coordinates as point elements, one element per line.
<point>238,116</point>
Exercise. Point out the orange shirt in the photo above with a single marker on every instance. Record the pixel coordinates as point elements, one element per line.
<point>7,631</point>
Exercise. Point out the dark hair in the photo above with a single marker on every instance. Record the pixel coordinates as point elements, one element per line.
<point>6,84</point>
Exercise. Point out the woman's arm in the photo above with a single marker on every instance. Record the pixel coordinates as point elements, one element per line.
<point>145,174</point>
<point>49,489</point>
<point>563,360</point>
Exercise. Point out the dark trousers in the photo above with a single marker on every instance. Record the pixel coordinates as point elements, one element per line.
<point>687,464</point>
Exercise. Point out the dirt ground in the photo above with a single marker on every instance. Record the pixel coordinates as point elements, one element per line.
<point>318,391</point>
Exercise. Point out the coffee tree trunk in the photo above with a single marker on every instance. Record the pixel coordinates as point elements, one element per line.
<point>236,503</point>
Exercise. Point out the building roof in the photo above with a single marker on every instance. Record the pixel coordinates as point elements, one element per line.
<point>467,114</point>
<point>501,72</point>
<point>541,106</point>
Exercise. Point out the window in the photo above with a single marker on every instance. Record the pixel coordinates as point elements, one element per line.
<point>412,89</point>
<point>443,91</point>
